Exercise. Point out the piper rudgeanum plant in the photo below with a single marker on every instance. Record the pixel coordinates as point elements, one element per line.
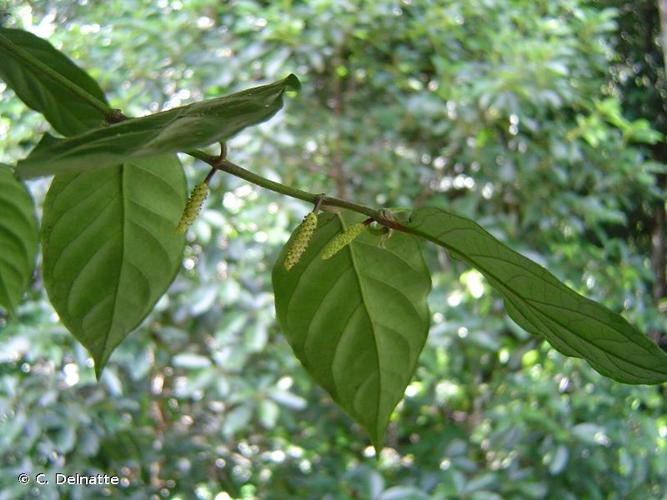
<point>351,284</point>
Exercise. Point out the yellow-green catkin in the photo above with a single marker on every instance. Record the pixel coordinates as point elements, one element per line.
<point>299,243</point>
<point>341,240</point>
<point>193,206</point>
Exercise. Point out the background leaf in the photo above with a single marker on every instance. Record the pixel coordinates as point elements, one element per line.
<point>542,305</point>
<point>178,129</point>
<point>531,190</point>
<point>110,247</point>
<point>18,238</point>
<point>357,322</point>
<point>67,113</point>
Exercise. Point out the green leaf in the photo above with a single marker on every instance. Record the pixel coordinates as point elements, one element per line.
<point>68,114</point>
<point>18,238</point>
<point>358,321</point>
<point>111,248</point>
<point>178,129</point>
<point>542,305</point>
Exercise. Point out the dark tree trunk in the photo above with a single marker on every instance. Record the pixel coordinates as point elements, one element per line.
<point>658,237</point>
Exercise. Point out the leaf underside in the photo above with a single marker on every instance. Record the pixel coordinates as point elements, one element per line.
<point>359,321</point>
<point>108,235</point>
<point>67,113</point>
<point>542,305</point>
<point>18,239</point>
<point>110,247</point>
<point>179,129</point>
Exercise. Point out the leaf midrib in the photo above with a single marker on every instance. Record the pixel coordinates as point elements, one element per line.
<point>123,212</point>
<point>504,290</point>
<point>374,333</point>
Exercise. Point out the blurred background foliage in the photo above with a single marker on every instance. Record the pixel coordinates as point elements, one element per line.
<point>542,120</point>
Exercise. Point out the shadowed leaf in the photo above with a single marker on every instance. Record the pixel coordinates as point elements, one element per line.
<point>67,113</point>
<point>18,238</point>
<point>544,306</point>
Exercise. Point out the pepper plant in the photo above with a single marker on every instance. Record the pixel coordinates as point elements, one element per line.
<point>350,285</point>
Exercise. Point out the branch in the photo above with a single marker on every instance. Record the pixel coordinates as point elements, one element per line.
<point>314,198</point>
<point>216,162</point>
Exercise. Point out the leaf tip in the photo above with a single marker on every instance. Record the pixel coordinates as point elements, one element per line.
<point>99,368</point>
<point>100,360</point>
<point>378,447</point>
<point>292,82</point>
<point>376,431</point>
